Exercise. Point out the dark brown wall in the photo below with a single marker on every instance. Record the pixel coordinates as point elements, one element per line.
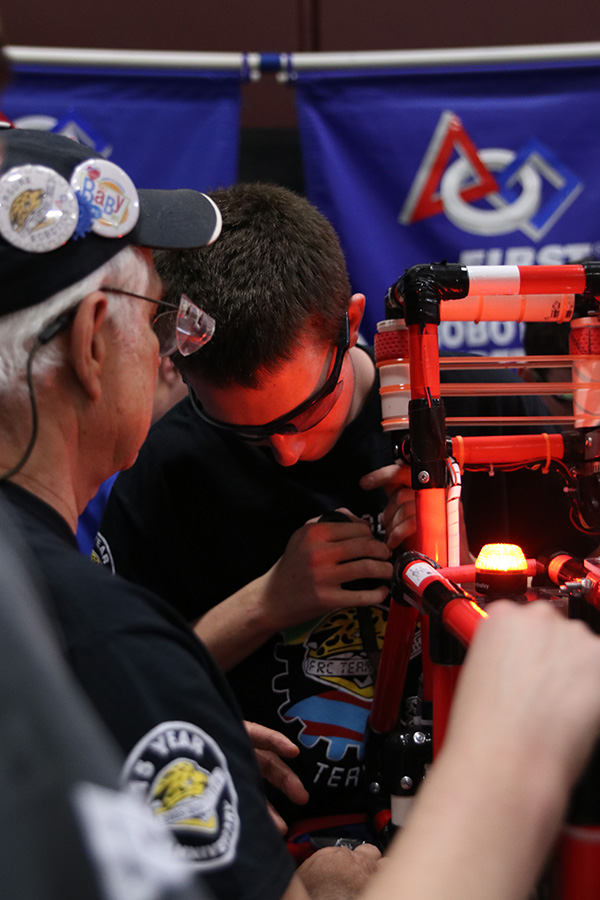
<point>296,25</point>
<point>413,24</point>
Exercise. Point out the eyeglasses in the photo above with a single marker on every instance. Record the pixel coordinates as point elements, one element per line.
<point>304,416</point>
<point>191,329</point>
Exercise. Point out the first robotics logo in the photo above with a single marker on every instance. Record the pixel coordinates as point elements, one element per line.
<point>527,190</point>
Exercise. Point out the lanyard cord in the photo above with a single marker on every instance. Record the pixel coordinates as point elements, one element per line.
<point>60,323</point>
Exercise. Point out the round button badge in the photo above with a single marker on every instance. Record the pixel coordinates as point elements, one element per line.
<point>111,193</point>
<point>38,208</point>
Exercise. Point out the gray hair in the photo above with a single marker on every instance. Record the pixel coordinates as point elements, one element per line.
<point>18,330</point>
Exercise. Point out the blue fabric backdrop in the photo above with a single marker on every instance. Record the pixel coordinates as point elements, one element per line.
<point>168,129</point>
<point>480,165</point>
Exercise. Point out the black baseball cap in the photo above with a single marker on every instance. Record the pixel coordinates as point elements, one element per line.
<point>65,211</point>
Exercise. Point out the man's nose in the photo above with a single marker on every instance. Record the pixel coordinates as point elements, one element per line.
<point>287,448</point>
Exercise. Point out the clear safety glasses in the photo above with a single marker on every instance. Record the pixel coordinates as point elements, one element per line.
<point>184,326</point>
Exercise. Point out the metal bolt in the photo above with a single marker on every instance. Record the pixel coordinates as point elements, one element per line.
<point>374,787</point>
<point>423,476</point>
<point>406,783</point>
<point>419,737</point>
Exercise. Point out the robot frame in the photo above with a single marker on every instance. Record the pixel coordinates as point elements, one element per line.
<point>427,585</point>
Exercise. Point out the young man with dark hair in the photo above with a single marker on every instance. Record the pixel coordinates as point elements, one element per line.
<point>285,353</point>
<point>220,514</point>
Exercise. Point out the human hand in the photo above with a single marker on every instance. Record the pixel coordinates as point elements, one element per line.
<point>269,746</point>
<point>530,686</point>
<point>524,719</point>
<point>338,873</point>
<point>320,557</point>
<point>398,517</point>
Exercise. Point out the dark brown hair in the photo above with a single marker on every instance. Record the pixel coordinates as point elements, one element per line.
<point>276,274</point>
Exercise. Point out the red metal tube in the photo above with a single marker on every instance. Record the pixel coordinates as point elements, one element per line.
<point>462,618</point>
<point>393,664</point>
<point>500,448</point>
<point>578,864</point>
<point>552,279</point>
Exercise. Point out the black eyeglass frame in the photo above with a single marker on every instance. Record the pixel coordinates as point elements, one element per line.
<point>159,303</point>
<point>283,424</point>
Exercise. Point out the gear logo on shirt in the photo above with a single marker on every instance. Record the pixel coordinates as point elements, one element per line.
<point>180,772</point>
<point>329,651</point>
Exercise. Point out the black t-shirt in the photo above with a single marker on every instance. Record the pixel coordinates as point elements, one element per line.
<point>168,706</point>
<point>202,513</point>
<point>199,516</point>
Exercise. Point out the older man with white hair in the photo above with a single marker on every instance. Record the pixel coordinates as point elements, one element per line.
<point>82,323</point>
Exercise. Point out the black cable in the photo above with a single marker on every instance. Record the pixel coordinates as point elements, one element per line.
<point>60,323</point>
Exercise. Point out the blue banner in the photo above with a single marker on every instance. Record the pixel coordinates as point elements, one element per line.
<point>483,165</point>
<point>167,129</point>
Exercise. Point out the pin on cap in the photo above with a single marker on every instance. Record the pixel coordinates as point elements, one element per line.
<point>111,194</point>
<point>58,206</point>
<point>38,208</point>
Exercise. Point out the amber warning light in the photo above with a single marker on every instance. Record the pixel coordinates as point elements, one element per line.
<point>501,570</point>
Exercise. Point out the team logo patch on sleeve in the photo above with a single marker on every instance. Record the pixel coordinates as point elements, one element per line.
<point>180,772</point>
<point>101,553</point>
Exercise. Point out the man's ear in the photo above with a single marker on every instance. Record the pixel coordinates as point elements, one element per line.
<point>356,311</point>
<point>88,343</point>
<point>168,373</point>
